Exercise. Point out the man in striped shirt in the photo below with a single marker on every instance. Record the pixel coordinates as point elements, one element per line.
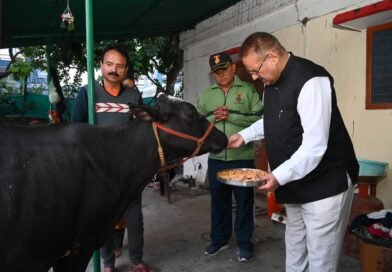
<point>111,108</point>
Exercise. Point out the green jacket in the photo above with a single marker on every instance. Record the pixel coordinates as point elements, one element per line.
<point>245,108</point>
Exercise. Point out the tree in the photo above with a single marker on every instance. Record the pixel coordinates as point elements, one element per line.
<point>156,53</point>
<point>20,69</point>
<point>64,58</point>
<point>164,55</point>
<point>13,59</point>
<point>147,54</point>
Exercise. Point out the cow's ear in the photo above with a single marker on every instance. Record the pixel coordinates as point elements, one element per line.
<point>144,113</point>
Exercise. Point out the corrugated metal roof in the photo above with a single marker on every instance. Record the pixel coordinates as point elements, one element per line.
<point>34,22</point>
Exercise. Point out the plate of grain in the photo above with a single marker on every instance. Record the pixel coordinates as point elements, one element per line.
<point>244,177</point>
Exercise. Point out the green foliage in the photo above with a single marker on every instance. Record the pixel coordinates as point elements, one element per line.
<point>64,57</point>
<point>70,91</point>
<point>7,88</point>
<point>157,53</point>
<point>7,105</point>
<point>20,69</point>
<point>37,90</point>
<point>180,92</point>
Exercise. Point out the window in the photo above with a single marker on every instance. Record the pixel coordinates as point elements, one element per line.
<point>379,67</point>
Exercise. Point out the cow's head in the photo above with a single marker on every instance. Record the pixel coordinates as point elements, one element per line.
<point>183,117</point>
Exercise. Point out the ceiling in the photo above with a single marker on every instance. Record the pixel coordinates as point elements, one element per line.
<point>36,22</point>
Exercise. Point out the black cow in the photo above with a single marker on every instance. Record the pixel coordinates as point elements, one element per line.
<point>62,188</point>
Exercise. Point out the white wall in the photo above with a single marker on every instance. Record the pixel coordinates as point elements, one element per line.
<point>229,28</point>
<point>341,52</point>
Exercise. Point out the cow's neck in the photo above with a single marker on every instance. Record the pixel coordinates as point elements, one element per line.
<point>135,149</point>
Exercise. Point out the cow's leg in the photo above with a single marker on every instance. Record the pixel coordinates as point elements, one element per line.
<point>75,263</point>
<point>46,270</point>
<point>79,262</point>
<point>61,264</point>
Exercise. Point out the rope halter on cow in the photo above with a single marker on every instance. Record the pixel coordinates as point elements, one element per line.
<point>199,141</point>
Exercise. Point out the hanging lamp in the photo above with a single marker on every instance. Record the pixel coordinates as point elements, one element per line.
<point>67,19</point>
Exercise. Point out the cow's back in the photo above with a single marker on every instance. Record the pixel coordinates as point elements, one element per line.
<point>63,187</point>
<point>41,176</point>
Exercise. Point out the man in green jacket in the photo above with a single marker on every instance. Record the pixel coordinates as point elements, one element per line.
<point>231,104</point>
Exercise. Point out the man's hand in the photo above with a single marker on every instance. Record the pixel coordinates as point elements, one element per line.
<point>235,141</point>
<point>271,183</point>
<point>221,113</point>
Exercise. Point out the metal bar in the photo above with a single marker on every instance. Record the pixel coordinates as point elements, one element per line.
<point>90,62</point>
<point>91,89</point>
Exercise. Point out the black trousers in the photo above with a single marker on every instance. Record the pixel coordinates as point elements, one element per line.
<point>135,228</point>
<point>221,206</point>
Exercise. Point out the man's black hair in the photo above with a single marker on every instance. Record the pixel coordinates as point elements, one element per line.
<point>132,74</point>
<point>120,49</point>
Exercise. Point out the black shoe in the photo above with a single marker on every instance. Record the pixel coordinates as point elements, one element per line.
<point>213,249</point>
<point>245,256</point>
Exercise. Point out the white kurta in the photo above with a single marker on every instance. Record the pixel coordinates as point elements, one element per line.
<point>315,230</point>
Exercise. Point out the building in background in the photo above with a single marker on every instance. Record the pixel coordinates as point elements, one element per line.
<point>306,28</point>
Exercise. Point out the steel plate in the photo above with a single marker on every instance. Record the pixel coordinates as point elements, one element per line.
<point>240,183</point>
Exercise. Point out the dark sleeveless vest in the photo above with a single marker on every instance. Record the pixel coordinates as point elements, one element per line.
<point>283,136</point>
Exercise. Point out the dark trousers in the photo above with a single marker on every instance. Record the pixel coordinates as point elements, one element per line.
<point>221,206</point>
<point>134,218</point>
<point>119,237</point>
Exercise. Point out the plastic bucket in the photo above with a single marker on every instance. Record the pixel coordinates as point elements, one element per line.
<point>371,168</point>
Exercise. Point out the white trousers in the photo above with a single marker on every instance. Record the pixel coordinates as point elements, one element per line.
<point>315,232</point>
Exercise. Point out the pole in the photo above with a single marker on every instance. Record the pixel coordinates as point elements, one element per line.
<point>91,89</point>
<point>90,62</point>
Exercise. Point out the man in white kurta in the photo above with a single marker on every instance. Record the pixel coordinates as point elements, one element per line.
<point>310,153</point>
